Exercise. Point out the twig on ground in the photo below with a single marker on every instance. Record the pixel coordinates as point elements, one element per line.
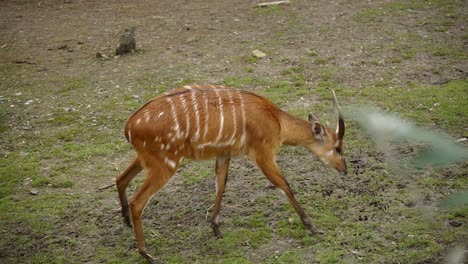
<point>105,187</point>
<point>267,4</point>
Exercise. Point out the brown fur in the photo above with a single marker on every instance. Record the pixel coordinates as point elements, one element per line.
<point>188,123</point>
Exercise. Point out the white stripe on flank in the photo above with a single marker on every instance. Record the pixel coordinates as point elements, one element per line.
<point>221,117</point>
<point>138,121</point>
<point>130,136</point>
<point>241,100</point>
<point>234,119</point>
<point>232,140</point>
<point>147,116</point>
<point>207,115</point>
<point>187,117</point>
<point>188,87</point>
<point>174,117</point>
<point>160,114</point>
<point>197,116</point>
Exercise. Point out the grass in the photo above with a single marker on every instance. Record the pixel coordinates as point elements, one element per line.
<point>371,240</point>
<point>393,8</point>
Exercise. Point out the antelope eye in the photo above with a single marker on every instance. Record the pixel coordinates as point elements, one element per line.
<point>338,150</point>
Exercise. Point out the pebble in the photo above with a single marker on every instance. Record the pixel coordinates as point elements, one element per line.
<point>258,53</point>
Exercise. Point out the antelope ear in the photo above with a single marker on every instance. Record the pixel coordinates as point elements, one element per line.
<point>317,129</point>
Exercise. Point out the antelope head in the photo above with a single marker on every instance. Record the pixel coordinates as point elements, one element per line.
<point>328,145</point>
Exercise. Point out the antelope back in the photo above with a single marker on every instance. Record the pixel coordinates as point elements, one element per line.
<point>200,122</point>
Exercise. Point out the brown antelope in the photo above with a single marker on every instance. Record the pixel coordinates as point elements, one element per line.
<point>204,122</point>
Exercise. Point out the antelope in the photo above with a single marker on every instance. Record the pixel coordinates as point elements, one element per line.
<point>203,122</point>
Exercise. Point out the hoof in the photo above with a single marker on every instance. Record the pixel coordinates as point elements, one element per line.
<point>315,231</point>
<point>216,231</point>
<point>127,222</point>
<point>319,231</point>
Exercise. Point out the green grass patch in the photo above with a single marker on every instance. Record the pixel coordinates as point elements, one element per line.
<point>393,8</point>
<point>14,168</point>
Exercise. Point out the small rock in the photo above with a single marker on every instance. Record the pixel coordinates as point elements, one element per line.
<point>135,96</point>
<point>34,191</point>
<point>28,102</point>
<point>455,223</point>
<point>258,54</point>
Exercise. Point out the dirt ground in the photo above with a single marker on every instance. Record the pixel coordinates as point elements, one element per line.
<point>206,38</point>
<point>52,46</point>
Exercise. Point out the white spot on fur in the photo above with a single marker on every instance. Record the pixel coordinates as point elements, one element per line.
<point>169,162</point>
<point>329,153</point>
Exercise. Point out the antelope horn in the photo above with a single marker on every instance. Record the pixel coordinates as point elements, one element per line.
<point>340,126</point>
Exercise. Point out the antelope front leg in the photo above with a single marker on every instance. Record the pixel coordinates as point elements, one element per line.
<point>273,173</point>
<point>222,165</point>
<point>156,179</point>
